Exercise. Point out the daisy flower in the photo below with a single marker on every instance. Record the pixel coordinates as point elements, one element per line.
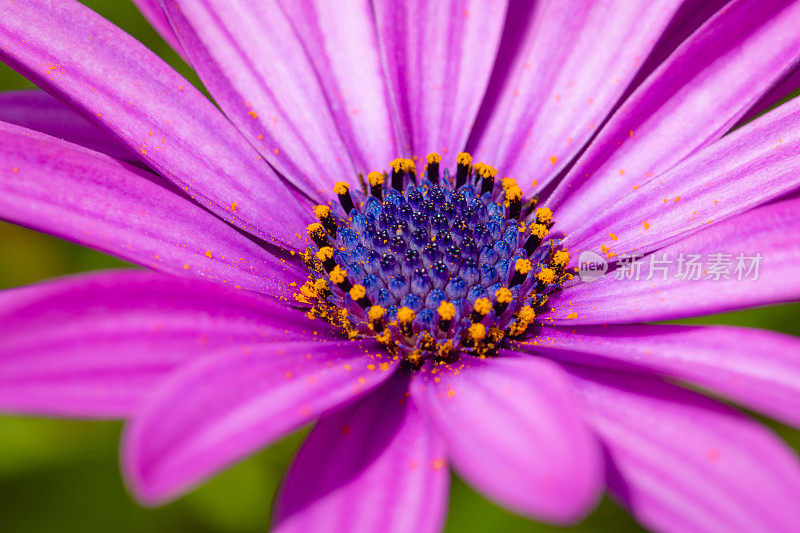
<point>395,222</point>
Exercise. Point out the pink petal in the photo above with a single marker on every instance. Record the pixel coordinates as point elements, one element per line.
<point>560,70</point>
<point>438,58</point>
<point>749,167</point>
<point>151,9</point>
<point>119,84</point>
<point>756,368</point>
<point>301,80</point>
<point>96,344</point>
<point>690,101</point>
<point>37,110</point>
<point>373,466</point>
<point>514,432</point>
<point>221,408</point>
<point>769,232</point>
<point>681,462</point>
<point>94,200</point>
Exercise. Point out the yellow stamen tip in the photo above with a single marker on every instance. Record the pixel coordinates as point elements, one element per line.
<point>313,228</point>
<point>526,314</point>
<point>447,310</point>
<point>433,157</point>
<point>338,275</point>
<point>544,215</point>
<point>547,275</point>
<point>405,315</point>
<point>483,306</point>
<point>376,312</point>
<point>357,292</point>
<point>509,183</point>
<point>410,165</point>
<point>503,295</point>
<point>477,332</point>
<point>341,187</point>
<point>540,230</point>
<point>399,164</point>
<point>560,258</point>
<point>464,158</point>
<point>375,178</point>
<point>523,266</point>
<point>321,285</point>
<point>322,211</point>
<point>325,253</point>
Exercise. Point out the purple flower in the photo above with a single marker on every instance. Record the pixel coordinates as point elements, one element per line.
<point>433,318</point>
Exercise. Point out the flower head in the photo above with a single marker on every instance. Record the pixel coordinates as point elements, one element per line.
<point>327,248</point>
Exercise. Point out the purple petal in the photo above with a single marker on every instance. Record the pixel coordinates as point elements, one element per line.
<point>221,408</point>
<point>692,99</point>
<point>374,466</point>
<point>151,9</point>
<point>91,199</point>
<point>119,84</point>
<point>760,251</point>
<point>95,345</point>
<point>513,431</point>
<point>749,167</point>
<point>37,110</point>
<point>301,80</point>
<point>681,462</point>
<point>561,68</point>
<point>786,86</point>
<point>759,369</point>
<point>438,58</point>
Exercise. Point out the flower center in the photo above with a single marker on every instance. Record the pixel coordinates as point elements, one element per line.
<point>436,267</point>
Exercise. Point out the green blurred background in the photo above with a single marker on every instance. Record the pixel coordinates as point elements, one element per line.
<point>62,475</point>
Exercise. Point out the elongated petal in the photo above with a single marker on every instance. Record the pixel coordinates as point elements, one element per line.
<point>746,261</point>
<point>681,462</point>
<point>301,80</point>
<point>119,84</point>
<point>37,110</point>
<point>96,344</point>
<point>561,68</point>
<point>151,9</point>
<point>438,58</point>
<point>759,369</point>
<point>749,167</point>
<point>91,199</point>
<point>691,100</point>
<point>375,466</point>
<point>785,87</point>
<point>513,431</point>
<point>224,407</point>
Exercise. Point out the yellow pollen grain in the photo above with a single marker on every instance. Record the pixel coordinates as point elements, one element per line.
<point>560,258</point>
<point>325,253</point>
<point>544,215</point>
<point>503,295</point>
<point>375,178</point>
<point>322,211</point>
<point>547,275</point>
<point>399,164</point>
<point>645,224</point>
<point>447,310</point>
<point>523,266</point>
<point>613,237</point>
<point>358,292</point>
<point>572,315</point>
<point>341,187</point>
<point>463,158</point>
<point>405,315</point>
<point>482,306</point>
<point>477,332</point>
<point>433,157</point>
<point>209,254</point>
<point>376,312</point>
<point>540,230</point>
<point>338,275</point>
<point>410,165</point>
<point>553,159</point>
